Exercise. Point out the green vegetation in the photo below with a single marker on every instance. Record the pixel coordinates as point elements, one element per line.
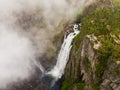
<point>87,64</point>
<point>105,52</point>
<point>101,22</point>
<point>68,84</point>
<point>76,42</point>
<point>116,2</point>
<point>104,23</point>
<point>80,85</point>
<point>96,87</point>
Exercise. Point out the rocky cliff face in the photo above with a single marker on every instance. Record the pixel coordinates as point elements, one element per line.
<point>94,63</point>
<point>85,65</point>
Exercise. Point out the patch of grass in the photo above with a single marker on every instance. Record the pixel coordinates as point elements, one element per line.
<point>87,64</point>
<point>96,87</point>
<point>105,53</point>
<point>116,2</point>
<point>67,84</point>
<point>80,85</point>
<point>116,53</point>
<point>102,21</point>
<point>76,42</point>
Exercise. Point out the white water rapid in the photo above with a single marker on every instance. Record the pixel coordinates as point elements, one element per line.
<point>63,56</point>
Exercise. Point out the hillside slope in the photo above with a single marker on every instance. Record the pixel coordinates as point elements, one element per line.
<point>94,63</point>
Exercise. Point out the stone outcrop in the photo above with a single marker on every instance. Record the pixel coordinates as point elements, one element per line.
<point>83,65</point>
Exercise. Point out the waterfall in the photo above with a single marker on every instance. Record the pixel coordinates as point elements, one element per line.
<point>63,56</point>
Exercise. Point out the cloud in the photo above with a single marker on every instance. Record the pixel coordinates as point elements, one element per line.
<point>26,30</point>
<point>16,56</point>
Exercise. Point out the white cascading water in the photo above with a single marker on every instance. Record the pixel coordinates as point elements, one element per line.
<point>63,56</point>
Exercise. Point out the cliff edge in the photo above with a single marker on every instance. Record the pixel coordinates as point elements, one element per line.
<point>94,62</point>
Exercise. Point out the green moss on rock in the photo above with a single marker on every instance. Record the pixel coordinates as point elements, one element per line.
<point>70,84</point>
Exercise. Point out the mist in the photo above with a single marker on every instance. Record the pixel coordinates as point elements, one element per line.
<point>26,29</point>
<point>16,57</point>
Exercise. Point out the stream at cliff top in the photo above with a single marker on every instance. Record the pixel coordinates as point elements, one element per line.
<point>51,77</point>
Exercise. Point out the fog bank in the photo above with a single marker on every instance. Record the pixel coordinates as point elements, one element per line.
<point>26,30</point>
